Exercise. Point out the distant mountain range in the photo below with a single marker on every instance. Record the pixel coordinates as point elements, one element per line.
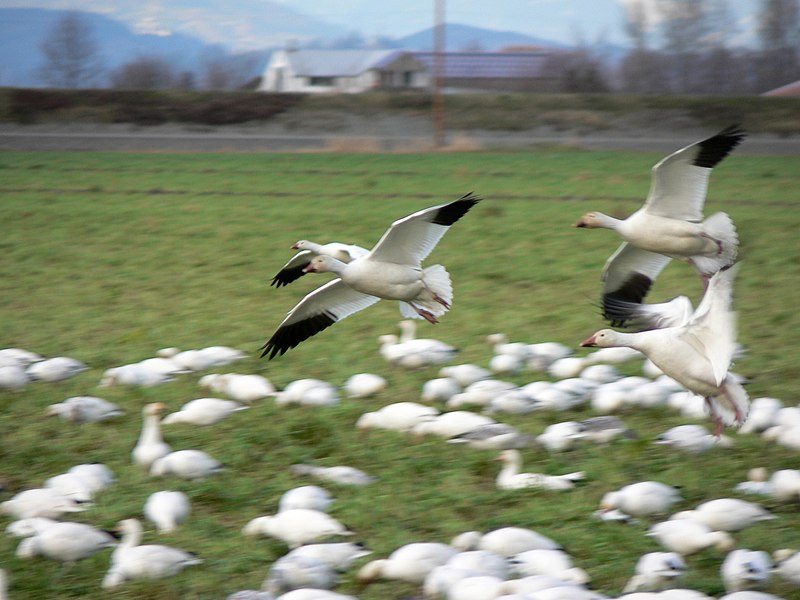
<point>24,29</point>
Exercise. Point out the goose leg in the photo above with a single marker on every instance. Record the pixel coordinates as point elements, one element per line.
<point>426,314</point>
<point>719,426</point>
<point>441,301</point>
<point>737,413</point>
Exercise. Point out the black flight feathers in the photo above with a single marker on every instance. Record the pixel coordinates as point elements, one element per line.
<point>289,336</point>
<point>450,213</point>
<point>717,147</point>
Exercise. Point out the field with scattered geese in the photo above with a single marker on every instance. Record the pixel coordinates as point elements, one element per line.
<point>108,258</point>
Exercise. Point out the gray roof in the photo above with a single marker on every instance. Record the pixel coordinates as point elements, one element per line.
<point>339,63</point>
<point>495,65</point>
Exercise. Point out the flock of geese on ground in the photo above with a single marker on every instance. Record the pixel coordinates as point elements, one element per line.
<point>686,355</point>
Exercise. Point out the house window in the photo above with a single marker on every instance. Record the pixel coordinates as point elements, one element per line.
<point>320,81</point>
<point>408,78</point>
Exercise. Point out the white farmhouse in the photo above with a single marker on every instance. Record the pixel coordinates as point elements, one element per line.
<point>343,71</point>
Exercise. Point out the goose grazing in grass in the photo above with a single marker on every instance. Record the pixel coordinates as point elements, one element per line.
<point>745,569</point>
<point>13,377</point>
<point>641,499</point>
<point>167,509</point>
<point>391,271</point>
<point>41,502</point>
<point>410,563</point>
<point>66,542</point>
<point>692,438</point>
<point>149,561</point>
<point>85,409</point>
<point>339,555</point>
<point>55,369</point>
<point>398,416</point>
<point>510,477</point>
<point>150,445</point>
<point>687,536</point>
<point>656,571</point>
<point>727,514</point>
<point>505,541</point>
<point>451,424</point>
<point>494,436</point>
<point>669,225</point>
<point>296,526</point>
<point>245,388</point>
<point>295,268</point>
<point>341,474</point>
<point>306,496</point>
<point>204,411</point>
<point>364,385</point>
<point>292,572</point>
<point>553,563</point>
<point>698,354</point>
<point>194,465</point>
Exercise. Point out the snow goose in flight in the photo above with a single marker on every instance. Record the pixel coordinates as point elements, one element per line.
<point>295,268</point>
<point>698,354</point>
<point>669,225</point>
<point>391,270</point>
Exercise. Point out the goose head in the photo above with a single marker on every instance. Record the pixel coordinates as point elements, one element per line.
<point>605,338</point>
<point>300,245</point>
<point>591,220</point>
<point>154,409</point>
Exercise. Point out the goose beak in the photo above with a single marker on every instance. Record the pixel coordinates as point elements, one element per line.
<point>309,268</point>
<point>590,343</point>
<point>294,246</point>
<point>580,223</point>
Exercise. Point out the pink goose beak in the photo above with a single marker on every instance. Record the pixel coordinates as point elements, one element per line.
<point>589,343</point>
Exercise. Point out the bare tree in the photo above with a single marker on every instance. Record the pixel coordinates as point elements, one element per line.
<point>71,56</point>
<point>636,24</point>
<point>779,36</point>
<point>685,29</point>
<point>145,73</point>
<point>227,72</point>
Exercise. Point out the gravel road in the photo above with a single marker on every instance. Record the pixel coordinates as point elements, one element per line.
<point>177,138</point>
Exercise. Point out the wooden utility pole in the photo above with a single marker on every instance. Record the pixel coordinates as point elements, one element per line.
<point>439,49</point>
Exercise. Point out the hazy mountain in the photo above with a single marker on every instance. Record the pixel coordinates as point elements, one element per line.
<point>24,30</point>
<point>460,37</point>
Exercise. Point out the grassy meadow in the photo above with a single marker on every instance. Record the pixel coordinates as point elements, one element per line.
<point>109,257</point>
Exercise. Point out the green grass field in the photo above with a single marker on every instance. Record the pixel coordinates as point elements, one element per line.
<point>108,258</point>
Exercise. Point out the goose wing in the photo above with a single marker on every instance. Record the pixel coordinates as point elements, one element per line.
<point>679,181</point>
<point>411,239</point>
<point>317,311</point>
<point>712,328</point>
<point>628,275</point>
<point>293,270</point>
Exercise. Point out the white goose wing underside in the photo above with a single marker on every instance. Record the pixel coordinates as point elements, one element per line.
<point>317,311</point>
<point>293,270</point>
<point>679,181</point>
<point>712,328</point>
<point>628,275</point>
<point>411,239</point>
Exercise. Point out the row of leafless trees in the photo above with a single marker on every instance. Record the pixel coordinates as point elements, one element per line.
<point>72,60</point>
<point>678,47</point>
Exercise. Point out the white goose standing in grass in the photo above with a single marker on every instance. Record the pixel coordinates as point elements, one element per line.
<point>641,499</point>
<point>295,268</point>
<point>194,465</point>
<point>410,563</point>
<point>296,526</point>
<point>698,354</point>
<point>204,411</point>
<point>510,478</point>
<point>66,542</point>
<point>727,514</point>
<point>167,509</point>
<point>150,445</point>
<point>391,271</point>
<point>669,225</point>
<point>149,561</point>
